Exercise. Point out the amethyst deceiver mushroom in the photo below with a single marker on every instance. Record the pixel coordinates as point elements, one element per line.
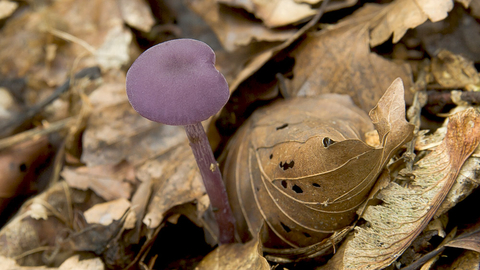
<point>176,83</point>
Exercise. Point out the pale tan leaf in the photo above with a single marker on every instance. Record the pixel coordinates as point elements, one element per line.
<point>232,29</point>
<point>72,263</point>
<point>7,8</point>
<point>113,53</point>
<point>399,16</point>
<point>280,13</point>
<point>137,14</point>
<point>276,13</point>
<point>105,213</point>
<point>107,181</point>
<point>235,256</point>
<point>407,210</point>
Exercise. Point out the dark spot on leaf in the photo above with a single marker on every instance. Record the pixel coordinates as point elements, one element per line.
<point>297,189</point>
<point>316,185</point>
<point>282,126</point>
<point>285,166</point>
<point>271,156</point>
<point>327,142</point>
<point>22,167</point>
<point>307,234</point>
<point>284,184</point>
<point>285,227</point>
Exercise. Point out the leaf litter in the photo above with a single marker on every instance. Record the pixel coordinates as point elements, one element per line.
<point>116,180</point>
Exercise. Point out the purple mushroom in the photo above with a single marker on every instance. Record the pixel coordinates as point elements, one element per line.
<point>176,83</point>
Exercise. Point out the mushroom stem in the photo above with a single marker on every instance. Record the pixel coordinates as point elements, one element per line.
<point>212,179</point>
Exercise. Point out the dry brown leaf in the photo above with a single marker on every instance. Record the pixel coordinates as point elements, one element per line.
<point>407,210</point>
<point>235,256</point>
<point>232,28</point>
<point>468,260</point>
<point>454,71</point>
<point>299,153</point>
<point>401,15</point>
<point>470,241</point>
<point>36,226</point>
<point>54,37</point>
<point>175,180</point>
<point>326,62</point>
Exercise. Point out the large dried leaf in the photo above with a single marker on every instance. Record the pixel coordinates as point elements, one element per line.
<point>326,61</point>
<point>37,225</point>
<point>57,35</point>
<point>407,210</point>
<point>309,168</point>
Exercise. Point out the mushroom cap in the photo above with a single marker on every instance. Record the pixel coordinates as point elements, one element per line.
<point>176,83</point>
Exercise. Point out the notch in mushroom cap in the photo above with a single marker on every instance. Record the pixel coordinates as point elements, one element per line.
<point>176,83</point>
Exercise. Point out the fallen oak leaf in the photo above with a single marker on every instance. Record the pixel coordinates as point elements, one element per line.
<point>299,153</point>
<point>327,61</point>
<point>407,210</point>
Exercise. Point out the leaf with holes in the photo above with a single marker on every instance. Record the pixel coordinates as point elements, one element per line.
<point>302,167</point>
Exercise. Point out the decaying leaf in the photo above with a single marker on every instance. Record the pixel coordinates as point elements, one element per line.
<point>407,210</point>
<point>175,180</point>
<point>309,168</point>
<point>326,61</point>
<point>235,256</point>
<point>454,71</point>
<point>399,16</point>
<point>32,234</point>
